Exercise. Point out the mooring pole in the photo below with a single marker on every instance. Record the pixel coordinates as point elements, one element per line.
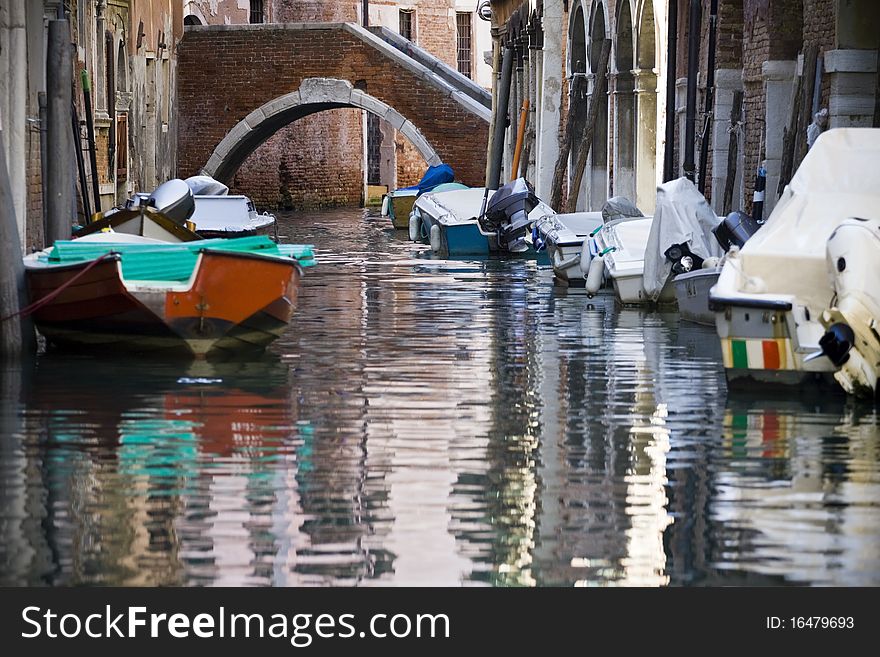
<point>44,120</point>
<point>691,110</point>
<point>501,118</point>
<point>16,332</point>
<point>59,81</point>
<point>90,128</point>
<point>80,163</point>
<point>710,97</point>
<point>671,56</point>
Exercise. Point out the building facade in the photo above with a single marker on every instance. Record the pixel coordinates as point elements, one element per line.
<point>127,49</point>
<point>329,158</point>
<point>776,63</point>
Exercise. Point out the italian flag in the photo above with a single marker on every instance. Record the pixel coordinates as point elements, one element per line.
<point>757,354</point>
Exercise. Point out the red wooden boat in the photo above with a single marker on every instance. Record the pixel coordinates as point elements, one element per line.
<point>203,298</point>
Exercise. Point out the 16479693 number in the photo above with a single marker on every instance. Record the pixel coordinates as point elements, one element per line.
<point>822,622</point>
<point>810,623</point>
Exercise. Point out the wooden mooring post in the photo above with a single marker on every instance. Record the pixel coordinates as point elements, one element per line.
<point>16,332</point>
<point>598,96</point>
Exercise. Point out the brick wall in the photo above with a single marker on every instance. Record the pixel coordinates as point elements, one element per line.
<point>819,31</point>
<point>314,162</point>
<point>318,160</point>
<point>223,75</point>
<point>410,164</point>
<point>756,50</point>
<point>34,229</point>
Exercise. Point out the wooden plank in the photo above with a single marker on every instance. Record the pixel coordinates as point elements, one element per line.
<point>788,139</point>
<point>577,88</point>
<point>811,54</point>
<point>598,96</point>
<point>732,151</point>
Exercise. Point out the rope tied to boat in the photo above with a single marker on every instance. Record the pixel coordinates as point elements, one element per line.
<point>39,303</point>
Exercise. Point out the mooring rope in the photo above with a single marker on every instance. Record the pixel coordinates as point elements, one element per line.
<point>39,303</point>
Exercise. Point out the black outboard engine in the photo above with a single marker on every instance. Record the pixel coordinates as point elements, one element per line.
<point>735,229</point>
<point>507,215</point>
<point>682,258</point>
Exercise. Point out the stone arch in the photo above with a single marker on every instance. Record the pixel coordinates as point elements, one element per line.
<point>623,182</point>
<point>192,15</point>
<point>314,95</point>
<point>598,179</point>
<point>646,60</point>
<point>577,40</point>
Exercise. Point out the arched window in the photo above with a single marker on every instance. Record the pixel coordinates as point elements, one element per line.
<point>191,19</point>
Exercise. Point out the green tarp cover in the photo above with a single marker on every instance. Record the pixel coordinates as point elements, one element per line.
<point>173,262</point>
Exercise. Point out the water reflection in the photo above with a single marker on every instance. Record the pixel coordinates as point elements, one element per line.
<point>433,422</point>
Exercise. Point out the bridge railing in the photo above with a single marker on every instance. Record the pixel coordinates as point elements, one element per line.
<point>447,73</point>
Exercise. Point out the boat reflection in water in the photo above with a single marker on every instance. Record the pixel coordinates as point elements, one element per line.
<point>819,465</point>
<point>433,421</point>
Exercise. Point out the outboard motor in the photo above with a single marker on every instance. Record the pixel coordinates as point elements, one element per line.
<point>682,259</point>
<point>735,229</point>
<point>507,215</point>
<point>852,337</point>
<point>174,199</point>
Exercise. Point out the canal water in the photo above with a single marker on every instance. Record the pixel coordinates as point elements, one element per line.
<point>433,422</point>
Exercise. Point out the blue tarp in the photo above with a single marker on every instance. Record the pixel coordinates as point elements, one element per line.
<point>435,175</point>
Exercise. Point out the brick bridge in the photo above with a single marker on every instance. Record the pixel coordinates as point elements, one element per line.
<point>239,84</point>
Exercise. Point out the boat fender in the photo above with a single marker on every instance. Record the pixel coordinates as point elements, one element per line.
<point>385,206</point>
<point>595,275</point>
<point>435,238</point>
<point>537,242</point>
<point>586,257</point>
<point>413,227</point>
<point>711,263</point>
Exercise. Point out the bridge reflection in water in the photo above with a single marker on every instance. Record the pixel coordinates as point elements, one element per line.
<point>433,422</point>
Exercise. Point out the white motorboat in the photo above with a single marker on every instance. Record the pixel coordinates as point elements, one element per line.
<point>621,244</point>
<point>692,294</point>
<point>852,339</point>
<point>207,207</point>
<point>449,220</point>
<point>563,236</point>
<point>680,242</point>
<point>229,216</point>
<point>771,294</point>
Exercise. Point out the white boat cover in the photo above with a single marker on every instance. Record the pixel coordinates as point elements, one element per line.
<point>455,206</point>
<point>682,216</point>
<point>838,179</point>
<point>618,207</point>
<point>206,186</point>
<point>228,214</point>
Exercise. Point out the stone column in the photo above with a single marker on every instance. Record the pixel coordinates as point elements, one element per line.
<point>624,135</point>
<point>853,76</point>
<point>727,80</point>
<point>553,86</point>
<point>599,171</point>
<point>646,140</point>
<point>681,117</point>
<point>779,83</point>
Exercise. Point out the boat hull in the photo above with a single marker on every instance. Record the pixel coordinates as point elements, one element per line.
<point>766,344</point>
<point>566,263</point>
<point>232,303</point>
<point>399,209</point>
<point>462,239</point>
<point>692,295</point>
<point>630,290</point>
